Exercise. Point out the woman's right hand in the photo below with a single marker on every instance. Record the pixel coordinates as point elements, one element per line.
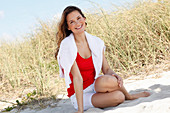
<point>119,80</point>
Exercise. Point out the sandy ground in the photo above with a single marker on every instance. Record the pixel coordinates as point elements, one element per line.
<point>158,102</point>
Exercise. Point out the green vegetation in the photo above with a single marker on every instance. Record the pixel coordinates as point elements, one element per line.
<point>135,38</point>
<point>8,109</point>
<point>30,97</point>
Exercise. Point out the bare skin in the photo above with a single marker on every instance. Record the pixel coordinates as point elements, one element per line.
<point>76,23</point>
<point>109,84</point>
<point>109,88</point>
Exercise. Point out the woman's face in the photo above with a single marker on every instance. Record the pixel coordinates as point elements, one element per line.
<point>75,22</point>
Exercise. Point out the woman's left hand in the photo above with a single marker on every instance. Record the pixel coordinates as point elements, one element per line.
<point>119,80</point>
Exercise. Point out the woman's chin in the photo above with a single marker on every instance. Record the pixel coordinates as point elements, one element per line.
<point>79,31</point>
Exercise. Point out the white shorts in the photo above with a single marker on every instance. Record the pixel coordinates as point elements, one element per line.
<point>87,95</point>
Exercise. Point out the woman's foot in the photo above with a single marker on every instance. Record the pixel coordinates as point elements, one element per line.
<point>138,95</point>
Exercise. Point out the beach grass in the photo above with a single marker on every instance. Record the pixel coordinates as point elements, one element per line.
<point>137,40</point>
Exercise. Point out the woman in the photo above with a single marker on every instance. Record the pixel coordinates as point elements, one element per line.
<point>81,58</point>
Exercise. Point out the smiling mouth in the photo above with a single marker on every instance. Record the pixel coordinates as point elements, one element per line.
<point>79,27</point>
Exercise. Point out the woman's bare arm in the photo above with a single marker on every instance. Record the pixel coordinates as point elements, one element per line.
<point>78,85</point>
<point>106,68</point>
<point>108,71</point>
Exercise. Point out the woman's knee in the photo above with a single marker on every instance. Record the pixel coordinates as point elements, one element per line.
<point>110,79</point>
<point>107,83</point>
<point>106,80</point>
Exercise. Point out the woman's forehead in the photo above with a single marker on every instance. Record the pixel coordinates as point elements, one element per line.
<point>73,15</point>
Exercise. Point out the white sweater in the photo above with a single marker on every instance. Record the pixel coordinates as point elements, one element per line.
<point>68,52</point>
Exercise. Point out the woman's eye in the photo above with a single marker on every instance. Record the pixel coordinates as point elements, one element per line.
<point>71,22</point>
<point>79,18</point>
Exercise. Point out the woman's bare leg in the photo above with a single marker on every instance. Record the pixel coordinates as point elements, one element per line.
<point>133,96</point>
<point>109,83</point>
<point>110,99</point>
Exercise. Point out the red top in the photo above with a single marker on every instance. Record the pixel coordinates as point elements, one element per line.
<point>87,71</point>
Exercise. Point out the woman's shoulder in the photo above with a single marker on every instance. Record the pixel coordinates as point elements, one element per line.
<point>66,42</point>
<point>94,38</point>
<point>97,39</point>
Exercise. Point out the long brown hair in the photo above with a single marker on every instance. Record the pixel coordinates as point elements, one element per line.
<point>63,27</point>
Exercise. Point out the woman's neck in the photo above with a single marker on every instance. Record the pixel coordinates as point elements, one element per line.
<point>80,38</point>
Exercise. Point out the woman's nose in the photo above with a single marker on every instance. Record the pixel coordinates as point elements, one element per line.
<point>77,22</point>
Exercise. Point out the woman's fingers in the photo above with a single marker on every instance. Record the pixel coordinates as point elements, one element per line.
<point>121,83</point>
<point>119,80</point>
